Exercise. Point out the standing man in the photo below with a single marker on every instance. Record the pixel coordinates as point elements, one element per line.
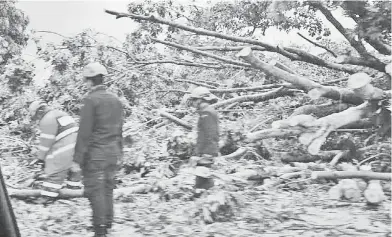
<point>56,149</point>
<point>207,144</point>
<point>99,146</point>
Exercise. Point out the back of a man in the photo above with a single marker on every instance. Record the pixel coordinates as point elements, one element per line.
<point>99,146</point>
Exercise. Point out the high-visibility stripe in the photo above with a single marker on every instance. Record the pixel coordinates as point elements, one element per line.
<point>49,194</point>
<point>65,120</point>
<point>66,133</point>
<point>51,185</point>
<point>61,150</point>
<point>75,184</point>
<point>47,136</point>
<point>43,148</point>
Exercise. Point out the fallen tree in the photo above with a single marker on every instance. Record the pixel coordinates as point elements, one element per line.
<point>77,193</point>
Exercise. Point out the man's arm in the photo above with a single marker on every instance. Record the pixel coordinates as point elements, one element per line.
<point>85,130</point>
<point>48,127</point>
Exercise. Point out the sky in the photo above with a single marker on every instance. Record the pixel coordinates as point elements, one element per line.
<point>72,17</point>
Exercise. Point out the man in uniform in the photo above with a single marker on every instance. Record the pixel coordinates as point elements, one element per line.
<point>207,144</point>
<point>56,148</point>
<point>99,146</point>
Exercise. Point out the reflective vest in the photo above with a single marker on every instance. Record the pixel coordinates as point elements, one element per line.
<point>57,141</point>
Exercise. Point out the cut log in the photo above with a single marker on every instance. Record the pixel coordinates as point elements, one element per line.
<point>351,174</point>
<point>360,84</point>
<point>255,98</point>
<point>335,93</point>
<point>374,194</point>
<point>175,119</point>
<point>71,193</point>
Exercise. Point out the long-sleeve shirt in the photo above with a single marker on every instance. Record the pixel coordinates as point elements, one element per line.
<point>100,128</point>
<point>207,132</point>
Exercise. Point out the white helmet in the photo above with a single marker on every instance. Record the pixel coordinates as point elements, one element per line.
<point>94,69</point>
<point>35,106</point>
<point>202,93</point>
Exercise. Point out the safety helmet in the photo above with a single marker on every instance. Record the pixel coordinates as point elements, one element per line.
<point>35,106</point>
<point>202,93</point>
<point>94,69</point>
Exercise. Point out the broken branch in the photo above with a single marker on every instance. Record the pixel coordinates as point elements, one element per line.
<point>350,175</point>
<point>318,45</point>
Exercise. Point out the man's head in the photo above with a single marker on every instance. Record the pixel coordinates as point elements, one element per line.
<point>201,95</point>
<point>93,74</point>
<point>37,109</point>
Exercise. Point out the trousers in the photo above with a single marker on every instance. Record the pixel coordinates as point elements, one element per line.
<point>98,180</point>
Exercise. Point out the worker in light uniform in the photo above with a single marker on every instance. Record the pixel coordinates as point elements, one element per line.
<point>58,132</point>
<point>207,143</point>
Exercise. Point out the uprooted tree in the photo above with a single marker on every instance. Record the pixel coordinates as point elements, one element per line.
<point>167,22</point>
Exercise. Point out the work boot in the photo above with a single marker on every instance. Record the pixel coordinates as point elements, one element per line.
<point>108,227</point>
<point>100,231</point>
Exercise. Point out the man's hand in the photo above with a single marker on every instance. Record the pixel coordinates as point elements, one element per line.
<point>75,167</point>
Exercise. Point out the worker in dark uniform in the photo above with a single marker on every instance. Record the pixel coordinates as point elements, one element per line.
<point>99,146</point>
<point>207,144</point>
<point>58,131</point>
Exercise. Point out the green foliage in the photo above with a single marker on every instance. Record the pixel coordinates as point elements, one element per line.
<point>13,36</point>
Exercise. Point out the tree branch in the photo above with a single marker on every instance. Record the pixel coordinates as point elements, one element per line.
<point>179,63</point>
<point>379,46</point>
<point>248,89</point>
<point>201,31</point>
<point>229,48</point>
<point>356,44</point>
<point>360,62</point>
<point>268,47</point>
<point>279,92</point>
<point>303,83</point>
<point>237,63</point>
<point>318,45</point>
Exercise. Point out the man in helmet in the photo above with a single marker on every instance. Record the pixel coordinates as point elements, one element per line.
<point>99,146</point>
<point>207,144</point>
<point>58,133</point>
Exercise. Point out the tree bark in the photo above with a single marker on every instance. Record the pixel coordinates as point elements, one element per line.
<point>351,175</point>
<point>303,83</point>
